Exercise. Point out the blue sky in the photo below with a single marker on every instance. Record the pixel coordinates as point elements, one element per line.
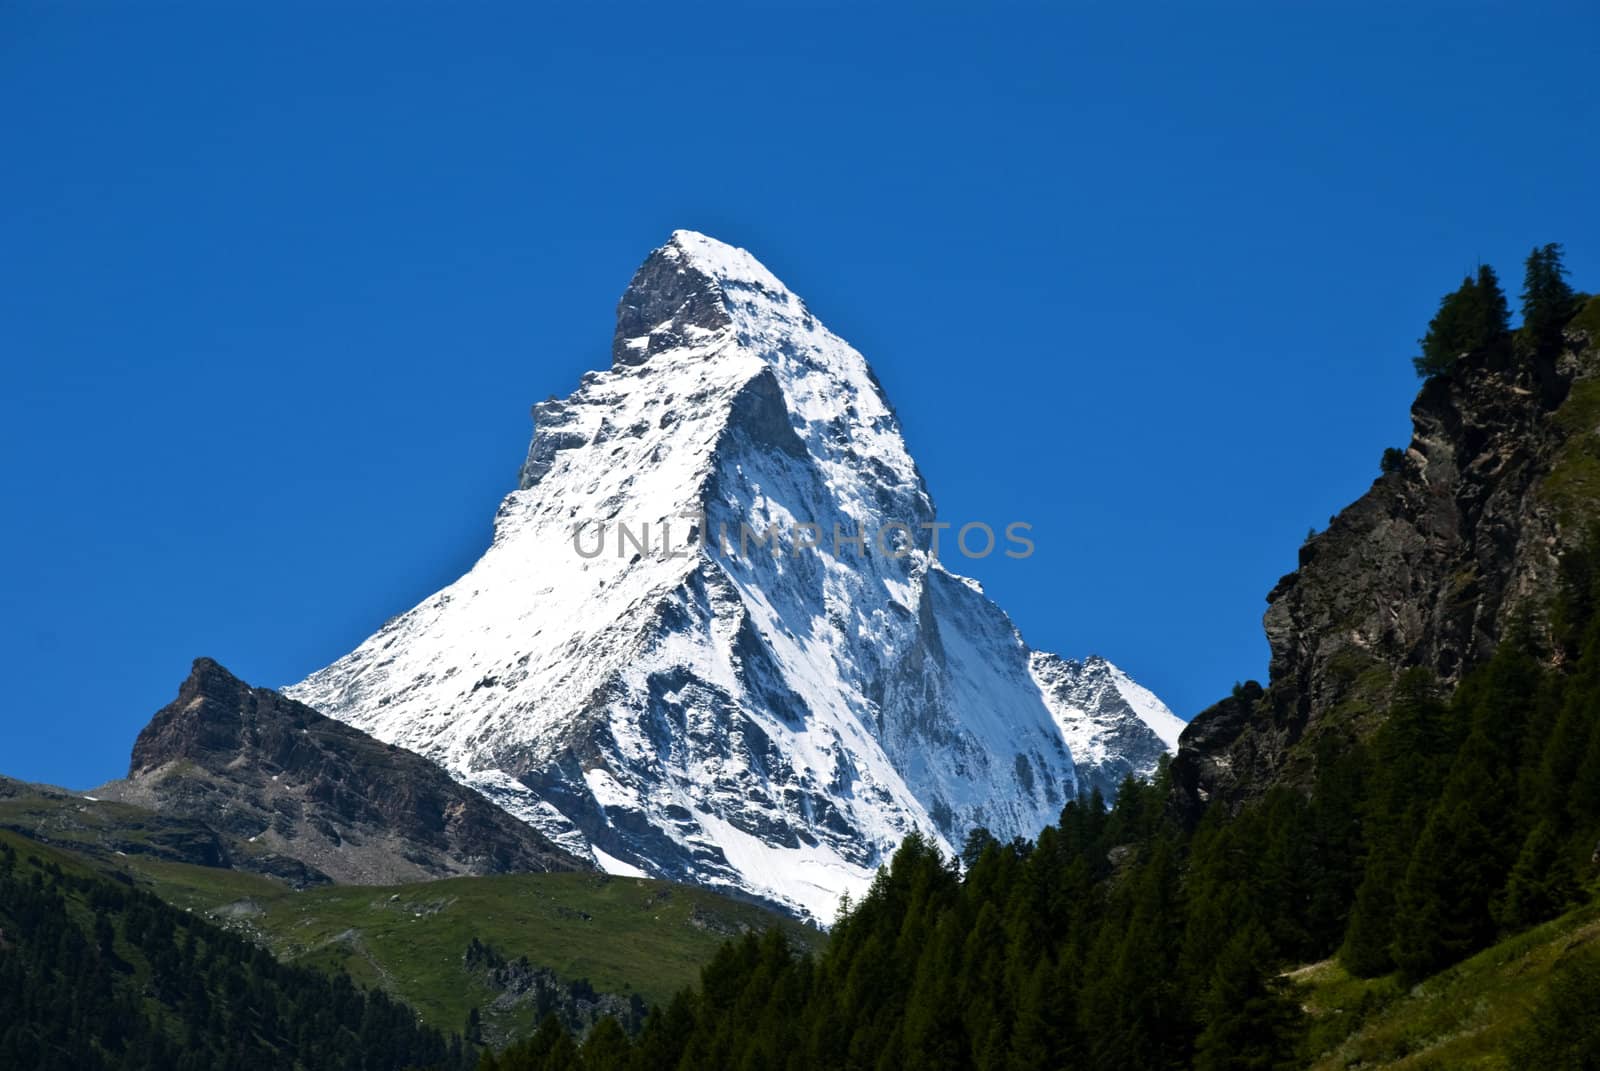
<point>278,288</point>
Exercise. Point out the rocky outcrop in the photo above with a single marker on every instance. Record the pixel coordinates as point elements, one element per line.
<point>309,799</point>
<point>1458,540</point>
<point>522,986</point>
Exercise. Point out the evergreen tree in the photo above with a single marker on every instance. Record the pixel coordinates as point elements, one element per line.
<point>95,975</point>
<point>1406,773</point>
<point>1471,319</point>
<point>1541,884</point>
<point>1442,908</point>
<point>1548,303</point>
<point>1248,1022</point>
<point>606,1047</point>
<point>1045,1034</point>
<point>1368,945</point>
<point>1495,326</point>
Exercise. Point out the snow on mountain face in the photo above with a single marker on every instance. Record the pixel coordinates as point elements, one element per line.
<point>1113,726</point>
<point>767,719</point>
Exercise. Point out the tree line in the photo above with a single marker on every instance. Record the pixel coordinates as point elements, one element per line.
<point>1475,318</point>
<point>1121,940</point>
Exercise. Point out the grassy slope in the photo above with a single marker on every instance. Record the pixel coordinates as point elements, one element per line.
<point>91,825</point>
<point>1460,1019</point>
<point>624,935</point>
<point>1573,485</point>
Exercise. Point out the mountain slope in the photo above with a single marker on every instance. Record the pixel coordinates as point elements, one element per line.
<point>309,799</point>
<point>95,975</point>
<point>617,944</point>
<point>630,670</point>
<point>514,946</point>
<point>1113,726</point>
<point>1454,547</point>
<point>1444,815</point>
<point>1470,1016</point>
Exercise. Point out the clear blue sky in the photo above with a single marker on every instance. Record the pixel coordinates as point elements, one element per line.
<point>279,283</point>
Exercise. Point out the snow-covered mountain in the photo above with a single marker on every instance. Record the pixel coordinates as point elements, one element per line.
<point>618,670</point>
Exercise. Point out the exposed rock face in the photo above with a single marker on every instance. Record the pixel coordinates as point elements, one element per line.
<point>310,799</point>
<point>517,983</point>
<point>772,720</point>
<point>1113,727</point>
<point>1429,568</point>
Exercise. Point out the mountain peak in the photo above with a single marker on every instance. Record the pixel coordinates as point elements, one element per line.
<point>721,261</point>
<point>687,291</point>
<point>774,719</point>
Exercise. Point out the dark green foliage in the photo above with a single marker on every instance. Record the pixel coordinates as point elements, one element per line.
<point>1468,844</point>
<point>1393,460</point>
<point>1541,885</point>
<point>551,1048</point>
<point>1070,951</point>
<point>1250,1023</point>
<point>1472,319</point>
<point>1587,319</point>
<point>1119,940</point>
<point>94,974</point>
<point>1563,1032</point>
<point>1548,303</point>
<point>606,1046</point>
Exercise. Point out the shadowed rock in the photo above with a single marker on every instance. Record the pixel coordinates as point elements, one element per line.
<point>308,799</point>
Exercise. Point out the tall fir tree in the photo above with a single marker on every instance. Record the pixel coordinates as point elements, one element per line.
<point>1248,1022</point>
<point>1548,303</point>
<point>1541,884</point>
<point>1472,319</point>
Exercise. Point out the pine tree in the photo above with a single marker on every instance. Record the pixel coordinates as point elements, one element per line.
<point>1541,884</point>
<point>606,1047</point>
<point>1367,950</point>
<point>1547,301</point>
<point>1442,908</point>
<point>1045,1034</point>
<point>934,1034</point>
<point>1249,1024</point>
<point>1496,311</point>
<point>1471,319</point>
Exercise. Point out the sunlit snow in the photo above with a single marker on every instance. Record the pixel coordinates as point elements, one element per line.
<point>770,724</point>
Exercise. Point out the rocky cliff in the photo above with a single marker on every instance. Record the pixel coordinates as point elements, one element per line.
<point>1458,541</point>
<point>311,799</point>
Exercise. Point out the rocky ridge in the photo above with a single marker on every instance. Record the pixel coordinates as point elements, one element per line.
<point>1456,543</point>
<point>308,799</point>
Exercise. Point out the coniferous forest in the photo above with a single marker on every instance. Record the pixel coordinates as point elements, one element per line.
<point>94,974</point>
<point>1119,940</point>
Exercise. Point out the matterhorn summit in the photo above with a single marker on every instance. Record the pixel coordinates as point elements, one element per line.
<point>714,639</point>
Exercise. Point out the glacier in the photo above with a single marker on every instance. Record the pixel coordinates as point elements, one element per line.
<point>767,721</point>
